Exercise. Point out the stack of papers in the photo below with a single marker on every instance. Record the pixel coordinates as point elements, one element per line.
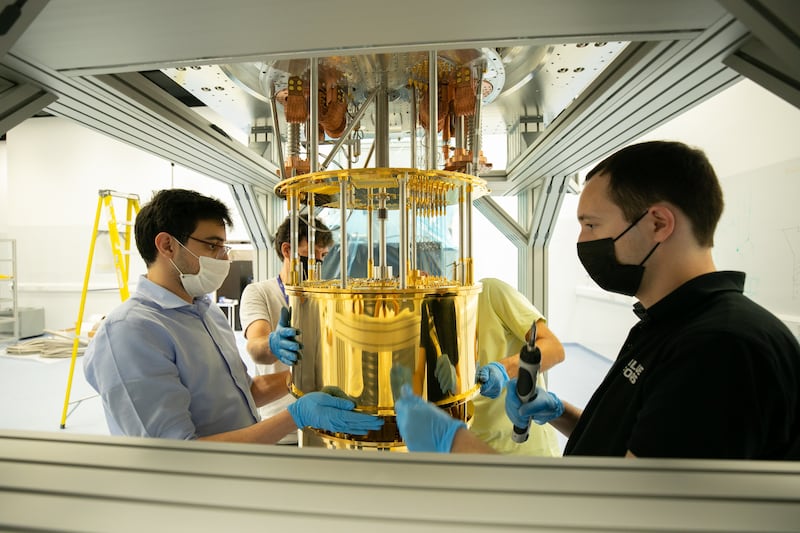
<point>59,345</point>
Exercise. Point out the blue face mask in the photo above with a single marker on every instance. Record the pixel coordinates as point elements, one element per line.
<point>599,258</point>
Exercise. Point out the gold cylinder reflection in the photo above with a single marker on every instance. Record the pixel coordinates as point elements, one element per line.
<point>352,338</point>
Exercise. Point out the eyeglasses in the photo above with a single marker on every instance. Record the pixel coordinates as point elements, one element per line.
<point>219,249</point>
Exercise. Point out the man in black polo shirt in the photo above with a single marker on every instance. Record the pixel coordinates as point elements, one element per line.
<point>706,372</point>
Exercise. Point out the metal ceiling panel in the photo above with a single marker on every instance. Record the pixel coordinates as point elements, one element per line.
<point>776,23</point>
<point>72,39</point>
<point>247,203</point>
<point>15,17</point>
<point>648,83</point>
<point>21,102</point>
<point>93,36</point>
<point>132,109</point>
<point>757,62</point>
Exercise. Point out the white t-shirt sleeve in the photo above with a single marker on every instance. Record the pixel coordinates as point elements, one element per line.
<point>260,301</point>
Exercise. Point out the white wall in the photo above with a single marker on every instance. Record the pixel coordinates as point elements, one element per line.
<point>50,185</point>
<point>750,136</point>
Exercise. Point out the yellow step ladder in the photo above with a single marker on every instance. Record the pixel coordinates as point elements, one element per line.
<point>120,248</point>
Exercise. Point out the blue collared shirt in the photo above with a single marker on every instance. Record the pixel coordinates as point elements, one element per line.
<point>166,368</point>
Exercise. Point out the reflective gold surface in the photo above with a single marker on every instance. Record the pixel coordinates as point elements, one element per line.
<point>352,338</point>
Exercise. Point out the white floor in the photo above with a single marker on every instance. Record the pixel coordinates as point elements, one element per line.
<point>33,389</point>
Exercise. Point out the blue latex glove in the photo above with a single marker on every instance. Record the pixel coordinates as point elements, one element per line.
<point>544,408</point>
<point>445,374</point>
<point>323,411</point>
<point>283,339</point>
<point>423,426</point>
<point>493,378</point>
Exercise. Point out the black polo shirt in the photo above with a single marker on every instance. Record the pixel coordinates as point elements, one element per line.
<point>706,373</point>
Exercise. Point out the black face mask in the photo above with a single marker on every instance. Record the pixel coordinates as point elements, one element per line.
<point>599,258</point>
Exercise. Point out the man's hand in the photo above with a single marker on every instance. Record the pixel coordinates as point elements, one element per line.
<point>423,426</point>
<point>283,340</point>
<point>323,411</point>
<point>493,378</point>
<point>542,409</point>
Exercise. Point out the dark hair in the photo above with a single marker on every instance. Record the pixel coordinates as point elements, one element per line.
<point>643,174</point>
<point>177,212</point>
<point>322,237</point>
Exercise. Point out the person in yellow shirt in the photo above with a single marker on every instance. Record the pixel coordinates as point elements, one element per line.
<point>504,321</point>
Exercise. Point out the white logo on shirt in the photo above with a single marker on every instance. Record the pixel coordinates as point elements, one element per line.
<point>633,370</point>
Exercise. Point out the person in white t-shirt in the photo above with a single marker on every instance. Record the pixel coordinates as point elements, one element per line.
<point>260,312</point>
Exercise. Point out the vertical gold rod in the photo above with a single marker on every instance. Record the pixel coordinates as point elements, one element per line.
<point>343,230</point>
<point>462,209</point>
<point>402,263</point>
<point>294,221</point>
<point>370,237</point>
<point>312,239</point>
<point>382,216</point>
<point>468,274</point>
<point>413,233</point>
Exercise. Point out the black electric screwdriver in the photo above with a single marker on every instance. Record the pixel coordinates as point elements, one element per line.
<point>530,359</point>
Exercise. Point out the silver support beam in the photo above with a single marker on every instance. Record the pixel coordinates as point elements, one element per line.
<point>468,277</point>
<point>67,482</point>
<point>246,201</point>
<point>402,187</point>
<point>381,141</point>
<point>488,207</point>
<point>164,127</point>
<point>758,63</point>
<point>20,103</point>
<point>546,200</point>
<point>276,140</point>
<point>475,144</point>
<point>294,238</point>
<point>776,24</point>
<point>413,231</point>
<point>312,238</point>
<point>370,236</point>
<point>433,109</point>
<point>25,12</point>
<point>648,83</point>
<point>383,215</point>
<point>413,133</point>
<point>460,269</point>
<point>312,133</point>
<point>343,232</point>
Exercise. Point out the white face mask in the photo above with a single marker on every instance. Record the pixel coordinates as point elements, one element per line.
<point>208,279</point>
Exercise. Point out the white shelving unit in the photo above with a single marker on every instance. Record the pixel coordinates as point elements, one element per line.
<point>8,291</point>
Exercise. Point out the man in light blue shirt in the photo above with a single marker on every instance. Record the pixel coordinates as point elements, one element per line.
<point>165,362</point>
